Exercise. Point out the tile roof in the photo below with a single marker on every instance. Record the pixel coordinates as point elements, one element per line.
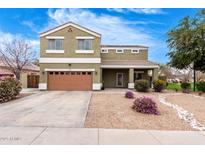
<point>124,46</point>
<point>129,63</point>
<point>29,66</point>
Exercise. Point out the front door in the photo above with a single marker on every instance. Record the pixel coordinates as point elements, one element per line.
<point>119,80</point>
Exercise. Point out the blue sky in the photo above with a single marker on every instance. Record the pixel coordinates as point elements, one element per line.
<point>118,26</point>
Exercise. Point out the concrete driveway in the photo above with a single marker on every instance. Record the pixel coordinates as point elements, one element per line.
<point>47,109</point>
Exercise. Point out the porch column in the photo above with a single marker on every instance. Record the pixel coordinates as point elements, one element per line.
<point>154,74</point>
<point>131,78</point>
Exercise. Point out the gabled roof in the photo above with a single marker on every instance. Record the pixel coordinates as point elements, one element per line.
<point>69,24</point>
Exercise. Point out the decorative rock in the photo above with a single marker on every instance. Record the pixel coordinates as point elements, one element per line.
<point>182,113</point>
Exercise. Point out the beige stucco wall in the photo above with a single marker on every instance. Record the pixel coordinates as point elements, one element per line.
<point>24,80</point>
<point>70,44</point>
<point>69,47</point>
<point>96,74</point>
<point>109,77</point>
<point>127,55</point>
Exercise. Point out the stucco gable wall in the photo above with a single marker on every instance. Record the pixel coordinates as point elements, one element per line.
<point>70,44</point>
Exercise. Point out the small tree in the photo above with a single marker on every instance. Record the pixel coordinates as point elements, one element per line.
<point>16,54</point>
<point>166,70</point>
<point>187,44</point>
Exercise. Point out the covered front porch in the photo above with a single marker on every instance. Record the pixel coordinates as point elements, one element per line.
<point>126,77</point>
<point>123,74</point>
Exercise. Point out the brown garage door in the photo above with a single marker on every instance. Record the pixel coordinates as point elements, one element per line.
<point>70,81</point>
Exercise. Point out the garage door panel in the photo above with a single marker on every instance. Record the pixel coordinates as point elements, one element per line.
<point>70,81</point>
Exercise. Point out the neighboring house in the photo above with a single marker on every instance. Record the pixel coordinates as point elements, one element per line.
<point>72,58</point>
<point>29,75</point>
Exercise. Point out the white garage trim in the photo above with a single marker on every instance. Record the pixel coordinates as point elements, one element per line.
<point>97,86</point>
<point>72,70</point>
<point>70,60</point>
<point>42,86</point>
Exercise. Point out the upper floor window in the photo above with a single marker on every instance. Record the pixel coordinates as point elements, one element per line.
<point>135,50</point>
<point>55,44</point>
<point>119,51</point>
<point>104,50</point>
<point>84,44</point>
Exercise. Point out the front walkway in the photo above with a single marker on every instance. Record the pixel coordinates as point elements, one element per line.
<point>94,136</point>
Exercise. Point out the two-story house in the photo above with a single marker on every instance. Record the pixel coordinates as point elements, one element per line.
<point>72,58</point>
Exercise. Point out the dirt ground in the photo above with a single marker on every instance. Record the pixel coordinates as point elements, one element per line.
<point>113,110</point>
<point>192,104</point>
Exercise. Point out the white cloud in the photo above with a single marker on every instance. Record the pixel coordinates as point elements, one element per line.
<point>10,37</point>
<point>138,11</point>
<point>146,11</point>
<point>31,25</point>
<point>114,30</point>
<point>120,10</point>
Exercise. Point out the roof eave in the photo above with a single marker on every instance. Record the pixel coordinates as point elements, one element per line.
<point>42,34</point>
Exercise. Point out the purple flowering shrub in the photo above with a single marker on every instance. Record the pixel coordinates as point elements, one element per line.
<point>129,94</point>
<point>145,105</point>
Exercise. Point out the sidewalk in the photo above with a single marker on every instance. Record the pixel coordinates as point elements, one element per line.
<point>51,135</point>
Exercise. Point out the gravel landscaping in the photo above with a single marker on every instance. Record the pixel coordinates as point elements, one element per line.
<point>195,105</point>
<point>113,110</point>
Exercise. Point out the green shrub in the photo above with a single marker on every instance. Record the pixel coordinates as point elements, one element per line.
<point>142,85</point>
<point>200,86</point>
<point>185,87</point>
<point>159,85</point>
<point>9,89</point>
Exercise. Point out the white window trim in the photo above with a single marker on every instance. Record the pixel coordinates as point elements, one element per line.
<point>105,50</point>
<point>119,49</point>
<point>84,37</point>
<point>84,51</point>
<point>69,60</point>
<point>132,51</point>
<point>55,51</point>
<point>55,37</point>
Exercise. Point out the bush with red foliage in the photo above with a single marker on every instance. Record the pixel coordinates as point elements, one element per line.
<point>129,94</point>
<point>145,105</point>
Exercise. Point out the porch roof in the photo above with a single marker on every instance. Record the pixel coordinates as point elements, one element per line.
<point>128,64</point>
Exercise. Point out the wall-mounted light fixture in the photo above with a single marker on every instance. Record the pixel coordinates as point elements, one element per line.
<point>43,72</point>
<point>96,73</point>
<point>69,65</point>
